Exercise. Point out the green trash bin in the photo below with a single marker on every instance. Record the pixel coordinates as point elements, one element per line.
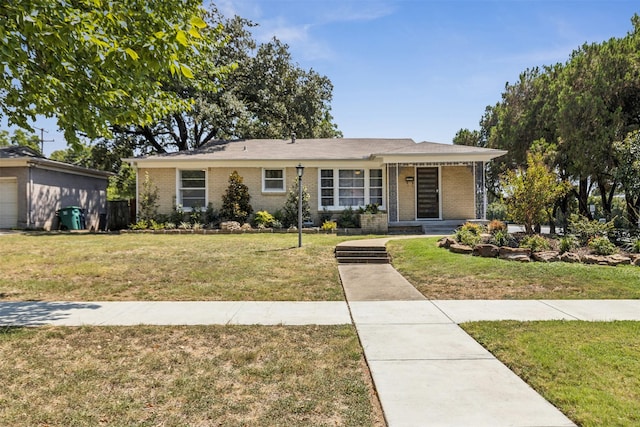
<point>71,218</point>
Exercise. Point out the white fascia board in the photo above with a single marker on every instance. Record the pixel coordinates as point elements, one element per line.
<point>437,158</point>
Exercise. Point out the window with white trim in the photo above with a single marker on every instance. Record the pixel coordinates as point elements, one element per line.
<point>192,189</point>
<point>273,180</point>
<point>375,187</point>
<point>343,188</point>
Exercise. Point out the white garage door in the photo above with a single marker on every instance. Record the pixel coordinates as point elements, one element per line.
<point>8,202</point>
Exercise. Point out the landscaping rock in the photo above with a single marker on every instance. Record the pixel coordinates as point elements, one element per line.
<point>515,254</point>
<point>635,260</point>
<point>594,259</point>
<point>570,257</point>
<point>546,256</point>
<point>460,249</point>
<point>230,226</point>
<point>446,242</point>
<point>618,259</point>
<point>486,251</point>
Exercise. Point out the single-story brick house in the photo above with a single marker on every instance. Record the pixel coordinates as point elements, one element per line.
<point>33,188</point>
<point>412,182</point>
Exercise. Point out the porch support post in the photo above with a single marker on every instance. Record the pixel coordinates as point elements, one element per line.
<point>481,190</point>
<point>392,192</point>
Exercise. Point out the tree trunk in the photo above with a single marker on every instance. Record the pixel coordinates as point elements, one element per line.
<point>583,198</point>
<point>633,210</point>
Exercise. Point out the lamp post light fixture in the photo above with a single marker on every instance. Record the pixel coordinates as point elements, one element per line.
<point>300,172</point>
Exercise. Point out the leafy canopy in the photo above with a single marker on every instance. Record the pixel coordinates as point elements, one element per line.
<point>96,63</point>
<point>531,192</point>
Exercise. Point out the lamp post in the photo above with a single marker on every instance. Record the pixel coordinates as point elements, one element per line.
<point>300,172</point>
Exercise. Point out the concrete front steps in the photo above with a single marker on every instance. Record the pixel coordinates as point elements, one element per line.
<point>362,254</point>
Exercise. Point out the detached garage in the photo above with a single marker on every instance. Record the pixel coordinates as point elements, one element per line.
<point>33,188</point>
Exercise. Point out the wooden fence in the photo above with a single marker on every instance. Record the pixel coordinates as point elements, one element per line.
<point>120,213</point>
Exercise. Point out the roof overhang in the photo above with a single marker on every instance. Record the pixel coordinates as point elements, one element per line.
<point>470,157</point>
<point>53,166</point>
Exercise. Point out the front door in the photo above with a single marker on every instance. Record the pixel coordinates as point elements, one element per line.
<point>428,197</point>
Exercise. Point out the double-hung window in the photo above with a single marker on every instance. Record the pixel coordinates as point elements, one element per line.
<point>192,189</point>
<point>343,188</point>
<point>273,180</point>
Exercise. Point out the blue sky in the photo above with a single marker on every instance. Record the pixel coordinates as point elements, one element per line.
<point>423,69</point>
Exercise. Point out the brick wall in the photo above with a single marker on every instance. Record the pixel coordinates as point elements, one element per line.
<point>218,182</point>
<point>165,180</point>
<point>406,195</point>
<point>458,192</point>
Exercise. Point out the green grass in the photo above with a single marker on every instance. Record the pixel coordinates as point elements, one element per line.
<point>178,376</point>
<point>590,371</point>
<point>440,274</point>
<point>88,267</point>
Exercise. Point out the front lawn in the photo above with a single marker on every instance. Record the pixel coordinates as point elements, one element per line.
<point>185,376</point>
<point>89,267</point>
<point>440,274</point>
<point>589,370</point>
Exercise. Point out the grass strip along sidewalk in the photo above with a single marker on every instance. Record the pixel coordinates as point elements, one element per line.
<point>589,370</point>
<point>177,376</point>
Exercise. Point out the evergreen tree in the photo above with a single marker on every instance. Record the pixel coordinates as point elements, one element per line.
<point>235,202</point>
<point>290,210</point>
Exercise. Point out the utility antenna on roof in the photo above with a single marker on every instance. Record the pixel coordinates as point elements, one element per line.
<point>293,137</point>
<point>42,140</point>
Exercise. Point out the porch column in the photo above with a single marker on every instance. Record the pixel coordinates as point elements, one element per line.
<point>392,192</point>
<point>481,190</point>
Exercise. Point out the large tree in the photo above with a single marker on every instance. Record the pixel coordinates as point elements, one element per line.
<point>266,95</point>
<point>94,64</point>
<point>585,106</point>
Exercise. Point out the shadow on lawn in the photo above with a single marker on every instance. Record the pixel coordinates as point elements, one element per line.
<point>36,313</point>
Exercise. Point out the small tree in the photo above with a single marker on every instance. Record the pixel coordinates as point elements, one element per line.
<point>148,199</point>
<point>235,202</point>
<point>531,193</point>
<point>290,210</point>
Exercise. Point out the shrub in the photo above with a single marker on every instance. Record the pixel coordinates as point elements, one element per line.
<point>140,225</point>
<point>325,216</point>
<point>371,208</point>
<point>348,219</point>
<point>276,224</point>
<point>177,214</point>
<point>501,238</point>
<point>264,219</point>
<point>156,225</point>
<point>170,225</point>
<point>148,202</point>
<point>197,226</point>
<point>235,202</point>
<point>467,237</point>
<point>602,246</point>
<point>536,243</point>
<point>586,230</point>
<point>496,225</point>
<point>290,209</point>
<point>497,210</point>
<point>211,216</point>
<point>196,215</point>
<point>633,246</point>
<point>473,228</point>
<point>329,226</point>
<point>568,243</point>
<point>185,225</point>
